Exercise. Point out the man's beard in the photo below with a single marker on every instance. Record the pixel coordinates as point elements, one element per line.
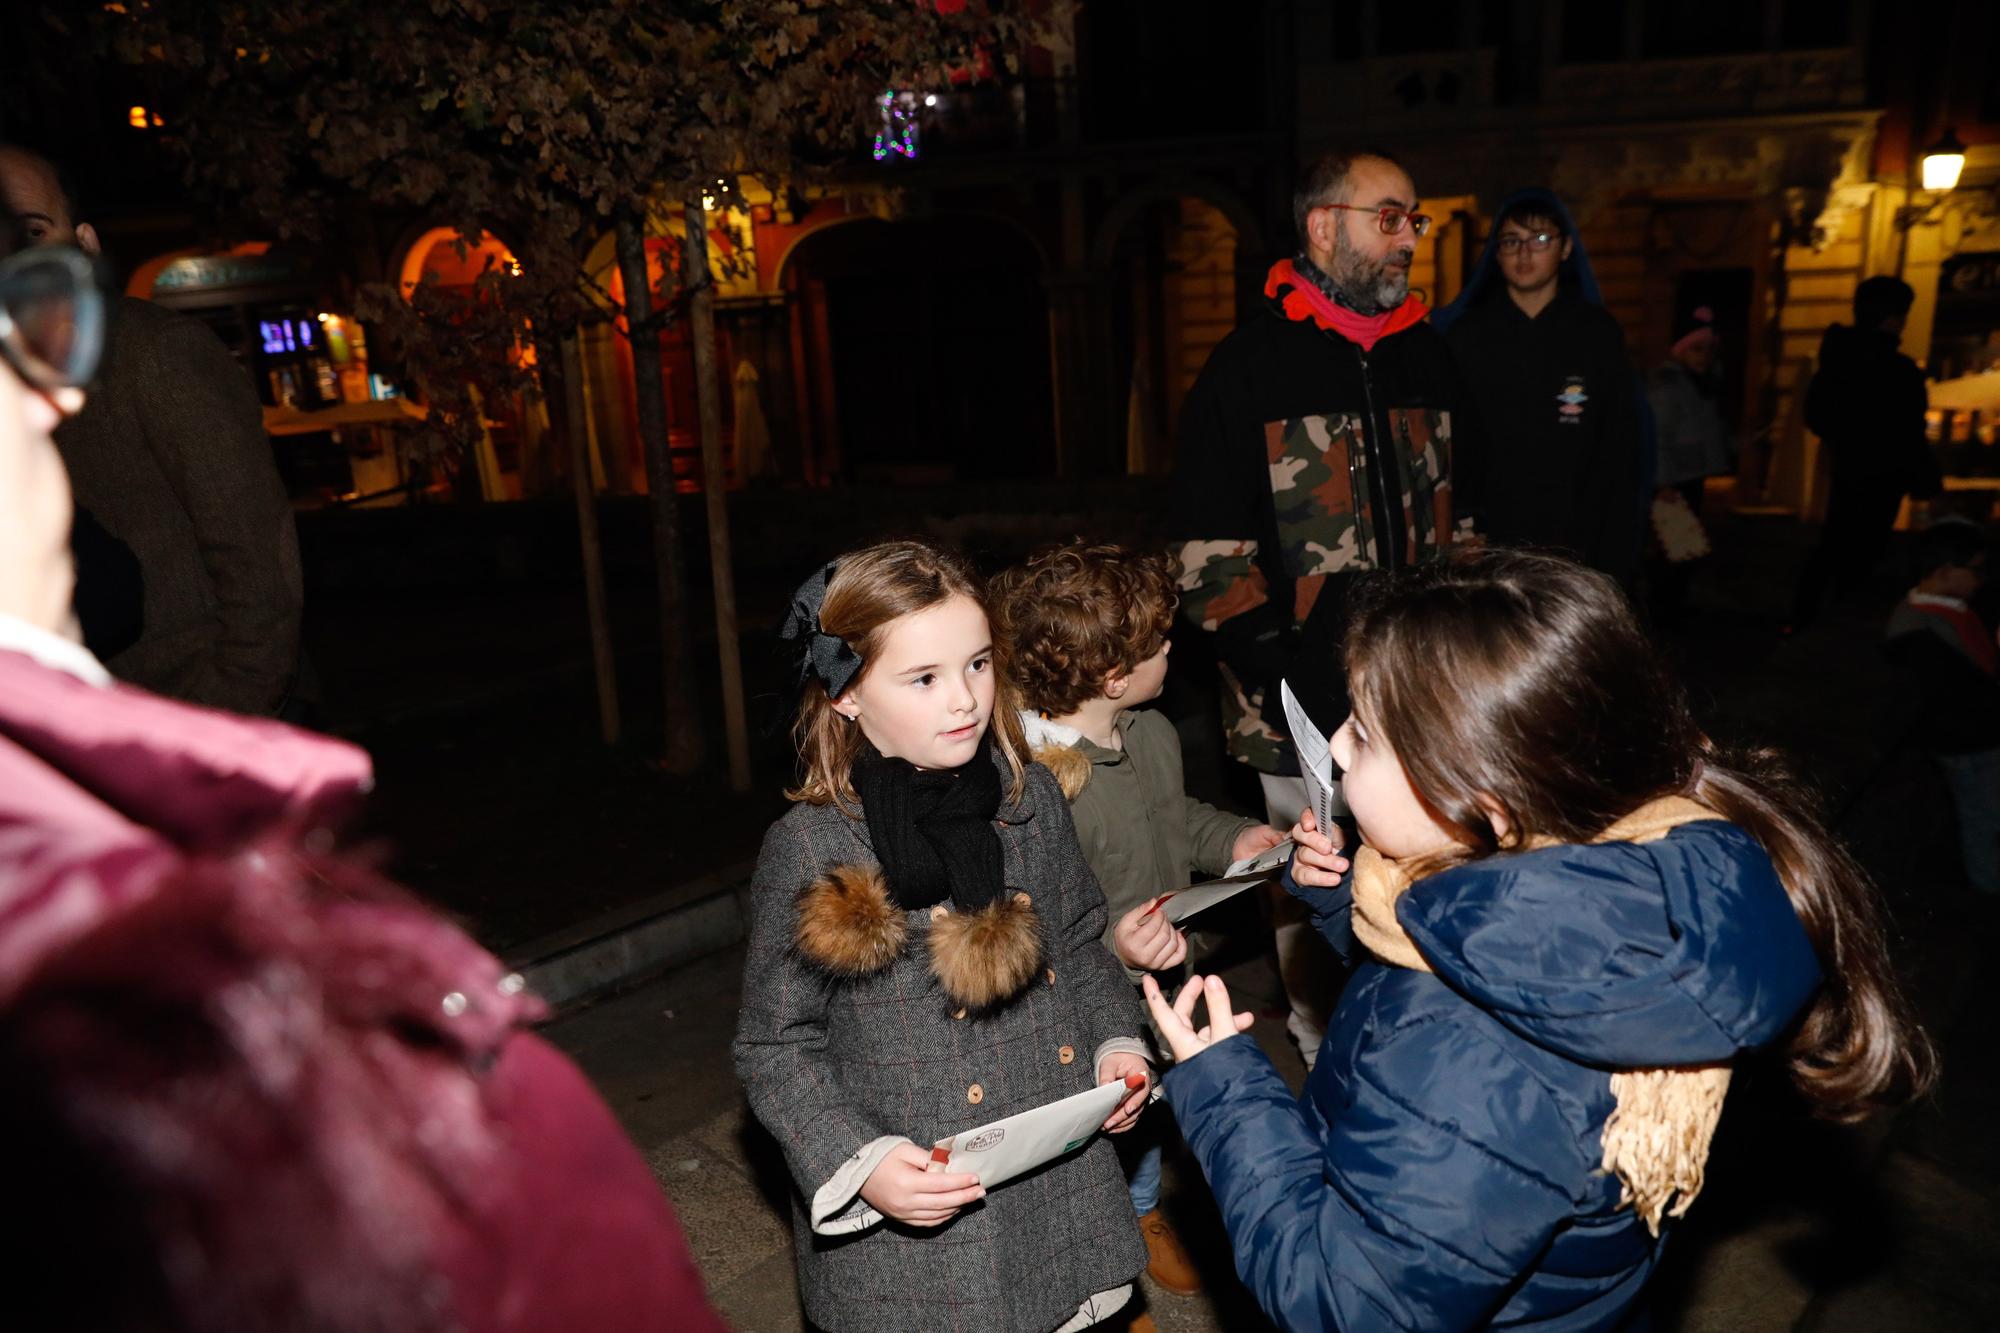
<point>1368,286</point>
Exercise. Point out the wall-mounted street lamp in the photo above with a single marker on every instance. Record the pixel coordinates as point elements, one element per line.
<point>1942,163</point>
<point>1938,170</point>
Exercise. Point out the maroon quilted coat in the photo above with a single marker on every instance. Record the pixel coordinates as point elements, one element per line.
<point>250,1084</point>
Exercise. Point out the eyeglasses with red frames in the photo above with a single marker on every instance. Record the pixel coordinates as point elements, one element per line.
<point>1390,218</point>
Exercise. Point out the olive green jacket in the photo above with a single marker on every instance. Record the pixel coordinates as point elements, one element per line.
<point>1141,832</point>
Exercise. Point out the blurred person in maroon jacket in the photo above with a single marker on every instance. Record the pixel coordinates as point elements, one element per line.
<point>246,1084</point>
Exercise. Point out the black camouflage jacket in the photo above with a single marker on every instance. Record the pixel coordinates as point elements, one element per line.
<point>1304,460</point>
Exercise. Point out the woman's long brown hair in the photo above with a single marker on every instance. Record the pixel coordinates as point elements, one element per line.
<point>1522,680</point>
<point>869,589</point>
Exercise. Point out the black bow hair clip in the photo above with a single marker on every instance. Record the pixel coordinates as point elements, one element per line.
<point>824,655</point>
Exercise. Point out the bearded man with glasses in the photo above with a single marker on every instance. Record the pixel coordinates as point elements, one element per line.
<point>1316,444</point>
<point>1545,364</point>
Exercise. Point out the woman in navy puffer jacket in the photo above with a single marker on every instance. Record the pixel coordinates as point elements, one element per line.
<point>1570,916</point>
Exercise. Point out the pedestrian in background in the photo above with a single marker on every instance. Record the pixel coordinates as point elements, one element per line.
<point>1693,443</point>
<point>1544,362</point>
<point>1317,442</point>
<point>171,458</point>
<point>1946,653</point>
<point>1867,403</point>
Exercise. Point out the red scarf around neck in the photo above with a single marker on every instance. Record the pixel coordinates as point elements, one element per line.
<point>1302,300</point>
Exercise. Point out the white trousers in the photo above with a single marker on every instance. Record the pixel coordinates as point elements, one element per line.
<point>1306,965</point>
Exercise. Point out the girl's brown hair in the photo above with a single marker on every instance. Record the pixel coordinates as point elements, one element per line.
<point>871,588</point>
<point>1524,681</point>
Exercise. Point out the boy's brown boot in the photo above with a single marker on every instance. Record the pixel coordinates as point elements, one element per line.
<point>1166,1258</point>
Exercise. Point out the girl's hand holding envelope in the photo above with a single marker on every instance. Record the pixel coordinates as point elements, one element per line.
<point>903,1187</point>
<point>1134,1073</point>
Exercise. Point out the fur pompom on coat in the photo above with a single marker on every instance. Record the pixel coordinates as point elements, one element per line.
<point>849,927</point>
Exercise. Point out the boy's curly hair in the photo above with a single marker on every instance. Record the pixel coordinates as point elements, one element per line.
<point>1075,613</point>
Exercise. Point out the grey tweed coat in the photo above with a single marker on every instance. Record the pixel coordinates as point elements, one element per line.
<point>846,1039</point>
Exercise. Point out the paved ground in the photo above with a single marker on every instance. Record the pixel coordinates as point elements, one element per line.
<point>1803,1226</point>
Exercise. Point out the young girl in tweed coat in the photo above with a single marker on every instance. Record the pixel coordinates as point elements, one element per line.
<point>925,957</point>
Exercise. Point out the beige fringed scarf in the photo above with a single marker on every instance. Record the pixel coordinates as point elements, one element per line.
<point>1656,1139</point>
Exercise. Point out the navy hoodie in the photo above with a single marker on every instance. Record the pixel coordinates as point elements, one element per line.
<point>1563,452</point>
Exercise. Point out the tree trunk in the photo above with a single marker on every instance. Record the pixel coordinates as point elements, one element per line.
<point>684,749</point>
<point>577,405</point>
<point>709,394</point>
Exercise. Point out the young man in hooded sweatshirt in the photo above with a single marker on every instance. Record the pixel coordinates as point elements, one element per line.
<point>1545,364</point>
<point>1316,444</point>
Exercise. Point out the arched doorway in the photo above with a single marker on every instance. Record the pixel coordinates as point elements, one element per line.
<point>1174,279</point>
<point>511,459</point>
<point>922,351</point>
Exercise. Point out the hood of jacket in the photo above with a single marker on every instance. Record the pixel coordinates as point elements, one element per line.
<point>108,795</point>
<point>1486,280</point>
<point>1685,950</point>
<point>1064,751</point>
<point>203,779</point>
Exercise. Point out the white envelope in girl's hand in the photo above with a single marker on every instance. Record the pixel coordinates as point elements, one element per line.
<point>1251,870</point>
<point>1019,1143</point>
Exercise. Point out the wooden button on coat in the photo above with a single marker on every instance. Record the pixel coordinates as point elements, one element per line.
<point>975,1094</point>
<point>937,913</point>
<point>1066,1054</point>
<point>1052,976</point>
<point>958,1013</point>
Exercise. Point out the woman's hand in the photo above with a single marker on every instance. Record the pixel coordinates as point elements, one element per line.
<point>1123,1066</point>
<point>903,1187</point>
<point>1317,864</point>
<point>1253,841</point>
<point>1176,1020</point>
<point>1145,939</point>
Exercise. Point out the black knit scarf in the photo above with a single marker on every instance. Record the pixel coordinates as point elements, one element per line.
<point>933,830</point>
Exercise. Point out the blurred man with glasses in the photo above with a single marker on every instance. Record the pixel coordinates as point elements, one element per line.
<point>1317,443</point>
<point>1546,367</point>
<point>170,455</point>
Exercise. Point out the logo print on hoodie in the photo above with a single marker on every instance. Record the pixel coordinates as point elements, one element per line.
<point>1572,399</point>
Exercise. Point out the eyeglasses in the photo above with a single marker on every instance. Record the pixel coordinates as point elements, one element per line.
<point>51,316</point>
<point>1538,242</point>
<point>1390,218</point>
